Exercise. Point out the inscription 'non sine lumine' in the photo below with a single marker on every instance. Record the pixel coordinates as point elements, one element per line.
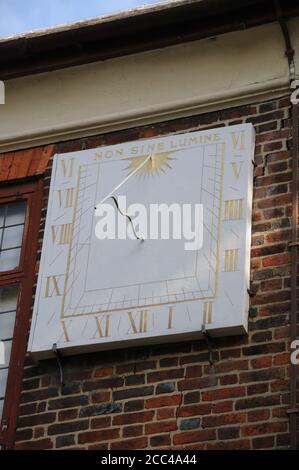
<point>157,147</point>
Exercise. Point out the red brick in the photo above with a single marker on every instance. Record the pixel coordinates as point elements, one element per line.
<point>103,372</point>
<point>130,444</point>
<point>263,442</point>
<point>264,428</point>
<point>160,401</point>
<point>223,393</point>
<point>132,431</point>
<point>193,371</point>
<point>194,410</point>
<point>281,359</point>
<point>258,415</point>
<point>66,415</point>
<point>239,444</point>
<point>100,397</point>
<point>194,436</point>
<point>222,407</point>
<point>131,418</point>
<point>276,260</point>
<point>98,436</point>
<point>261,362</point>
<point>160,440</point>
<point>166,413</point>
<point>160,427</point>
<point>100,422</point>
<point>165,375</point>
<point>42,444</point>
<point>222,420</point>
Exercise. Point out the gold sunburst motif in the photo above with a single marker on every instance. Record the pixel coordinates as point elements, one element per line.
<point>157,163</point>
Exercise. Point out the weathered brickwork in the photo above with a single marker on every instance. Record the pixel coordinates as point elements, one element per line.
<point>168,396</point>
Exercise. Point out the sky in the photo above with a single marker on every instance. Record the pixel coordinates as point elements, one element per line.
<point>20,16</point>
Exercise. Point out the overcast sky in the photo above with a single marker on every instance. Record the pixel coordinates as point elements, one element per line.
<point>19,16</point>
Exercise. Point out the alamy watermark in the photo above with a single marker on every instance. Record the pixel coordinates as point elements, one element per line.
<point>158,222</point>
<point>2,93</point>
<point>295,352</point>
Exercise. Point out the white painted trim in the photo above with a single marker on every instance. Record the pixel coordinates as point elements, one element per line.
<point>158,113</point>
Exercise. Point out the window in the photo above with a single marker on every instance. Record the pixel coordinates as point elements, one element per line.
<point>8,307</point>
<point>20,208</point>
<point>12,220</point>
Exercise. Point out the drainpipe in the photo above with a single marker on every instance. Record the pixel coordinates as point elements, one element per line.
<point>293,245</point>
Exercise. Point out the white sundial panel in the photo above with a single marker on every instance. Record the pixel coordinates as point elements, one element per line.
<point>100,293</point>
<point>121,280</point>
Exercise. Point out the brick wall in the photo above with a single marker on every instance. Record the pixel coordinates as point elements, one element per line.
<point>168,396</point>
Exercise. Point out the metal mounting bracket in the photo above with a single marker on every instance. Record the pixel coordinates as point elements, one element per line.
<point>58,357</point>
<point>207,339</point>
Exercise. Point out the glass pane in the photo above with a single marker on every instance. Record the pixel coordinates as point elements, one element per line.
<point>3,380</point>
<point>8,298</point>
<point>4,360</point>
<point>12,237</point>
<point>8,306</point>
<point>15,213</point>
<point>9,259</point>
<point>7,322</point>
<point>1,409</point>
<point>2,210</point>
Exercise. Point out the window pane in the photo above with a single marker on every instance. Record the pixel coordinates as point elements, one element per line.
<point>9,259</point>
<point>8,306</point>
<point>7,323</point>
<point>3,380</point>
<point>4,361</point>
<point>12,237</point>
<point>2,210</point>
<point>15,213</point>
<point>8,298</point>
<point>12,220</point>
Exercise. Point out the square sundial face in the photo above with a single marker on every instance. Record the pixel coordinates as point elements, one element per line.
<point>112,293</point>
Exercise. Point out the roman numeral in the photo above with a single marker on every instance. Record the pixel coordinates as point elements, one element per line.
<point>231,260</point>
<point>53,287</point>
<point>67,167</point>
<point>66,197</point>
<point>170,318</point>
<point>61,234</point>
<point>103,325</point>
<point>237,167</point>
<point>207,312</point>
<point>238,140</point>
<point>233,209</point>
<point>138,323</point>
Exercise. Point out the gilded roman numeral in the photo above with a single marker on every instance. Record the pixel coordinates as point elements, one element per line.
<point>170,318</point>
<point>53,287</point>
<point>66,197</point>
<point>138,324</point>
<point>61,234</point>
<point>231,260</point>
<point>237,167</point>
<point>103,325</point>
<point>67,167</point>
<point>238,140</point>
<point>207,312</point>
<point>233,209</point>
